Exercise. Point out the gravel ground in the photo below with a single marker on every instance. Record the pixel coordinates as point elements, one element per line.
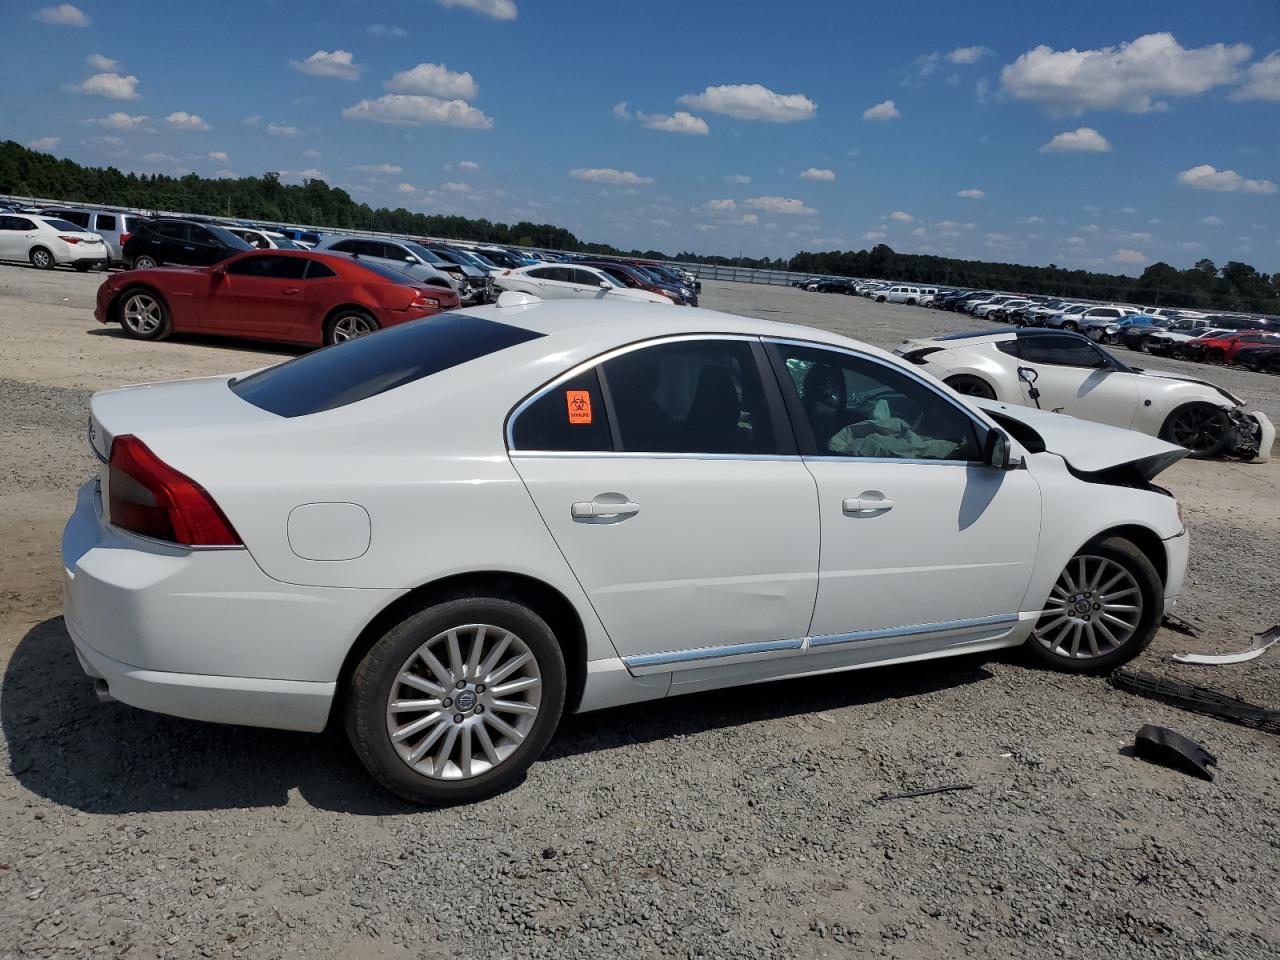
<point>740,824</point>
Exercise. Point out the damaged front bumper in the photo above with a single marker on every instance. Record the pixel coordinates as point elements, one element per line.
<point>1255,435</point>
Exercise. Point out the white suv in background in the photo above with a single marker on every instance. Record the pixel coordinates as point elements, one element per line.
<point>900,294</point>
<point>112,226</point>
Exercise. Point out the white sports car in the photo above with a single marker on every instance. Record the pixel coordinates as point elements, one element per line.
<point>446,534</point>
<point>568,281</point>
<point>1067,373</point>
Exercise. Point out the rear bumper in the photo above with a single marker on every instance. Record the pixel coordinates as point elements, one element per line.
<point>204,634</point>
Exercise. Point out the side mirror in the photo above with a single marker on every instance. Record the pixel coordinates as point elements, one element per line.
<point>605,285</point>
<point>995,450</point>
<point>219,270</point>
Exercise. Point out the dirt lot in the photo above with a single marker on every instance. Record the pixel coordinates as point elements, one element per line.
<point>741,824</point>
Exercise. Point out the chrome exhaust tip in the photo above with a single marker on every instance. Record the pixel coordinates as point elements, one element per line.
<point>101,688</point>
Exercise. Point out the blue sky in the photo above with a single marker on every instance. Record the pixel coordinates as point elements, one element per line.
<point>1095,135</point>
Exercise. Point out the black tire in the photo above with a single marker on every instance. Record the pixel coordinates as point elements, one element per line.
<point>1203,428</point>
<point>1215,356</point>
<point>375,679</point>
<point>41,258</point>
<point>1144,345</point>
<point>143,314</point>
<point>911,301</point>
<point>971,386</point>
<point>1119,551</point>
<point>83,267</point>
<point>1070,325</point>
<point>144,262</point>
<point>348,323</point>
<point>1272,365</point>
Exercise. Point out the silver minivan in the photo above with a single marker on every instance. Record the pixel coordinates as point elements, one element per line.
<point>112,225</point>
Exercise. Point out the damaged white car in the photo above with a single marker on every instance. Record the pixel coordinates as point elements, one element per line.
<point>1065,372</point>
<point>443,536</point>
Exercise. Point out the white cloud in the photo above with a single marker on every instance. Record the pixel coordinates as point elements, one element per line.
<point>739,178</point>
<point>386,30</point>
<point>159,158</point>
<point>1076,241</point>
<point>1034,220</point>
<point>312,154</point>
<point>309,174</point>
<point>785,205</point>
<point>817,173</point>
<point>1131,77</point>
<point>406,188</point>
<point>1080,140</point>
<point>411,111</point>
<point>454,187</point>
<point>919,232</point>
<point>226,174</point>
<point>45,143</point>
<point>282,130</point>
<point>323,63</point>
<point>750,218</point>
<point>620,111</point>
<point>1206,177</point>
<point>720,205</point>
<point>963,56</point>
<point>435,80</point>
<point>119,121</point>
<point>873,236</point>
<point>1090,228</point>
<point>497,9</point>
<point>1212,221</point>
<point>253,121</point>
<point>63,15</point>
<point>468,165</point>
<point>706,227</point>
<point>219,155</point>
<point>1130,257</point>
<point>902,216</point>
<point>96,61</point>
<point>1262,80</point>
<point>1189,245</point>
<point>752,101</point>
<point>181,120</point>
<point>1128,209</point>
<point>110,85</point>
<point>384,169</point>
<point>610,175</point>
<point>885,110</point>
<point>971,194</point>
<point>679,122</point>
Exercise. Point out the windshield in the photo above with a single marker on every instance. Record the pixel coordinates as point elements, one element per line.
<point>284,243</point>
<point>417,249</point>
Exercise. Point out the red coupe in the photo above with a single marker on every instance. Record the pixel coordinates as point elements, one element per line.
<point>292,296</point>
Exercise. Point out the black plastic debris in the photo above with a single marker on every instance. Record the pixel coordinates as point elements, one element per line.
<point>1169,749</point>
<point>1188,696</point>
<point>1182,625</point>
<point>947,788</point>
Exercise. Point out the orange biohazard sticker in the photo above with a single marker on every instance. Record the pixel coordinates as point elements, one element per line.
<point>579,403</point>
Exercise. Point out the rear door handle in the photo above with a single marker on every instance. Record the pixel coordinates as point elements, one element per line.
<point>588,509</point>
<point>866,504</point>
<point>290,291</point>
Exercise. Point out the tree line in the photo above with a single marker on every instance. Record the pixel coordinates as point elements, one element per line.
<point>30,173</point>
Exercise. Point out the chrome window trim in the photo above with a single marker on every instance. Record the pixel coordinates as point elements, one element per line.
<point>638,455</point>
<point>605,357</point>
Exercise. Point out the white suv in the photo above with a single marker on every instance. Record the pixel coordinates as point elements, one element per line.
<point>900,294</point>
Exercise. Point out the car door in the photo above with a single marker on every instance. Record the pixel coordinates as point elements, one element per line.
<point>11,236</point>
<point>168,242</point>
<point>923,546</point>
<point>1077,378</point>
<point>679,502</point>
<point>550,283</point>
<point>203,248</point>
<point>258,295</point>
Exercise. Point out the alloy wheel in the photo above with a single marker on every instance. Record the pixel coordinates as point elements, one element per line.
<point>351,326</point>
<point>142,314</point>
<point>41,259</point>
<point>464,702</point>
<point>1095,607</point>
<point>1198,427</point>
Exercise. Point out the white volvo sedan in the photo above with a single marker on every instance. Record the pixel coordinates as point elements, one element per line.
<point>448,533</point>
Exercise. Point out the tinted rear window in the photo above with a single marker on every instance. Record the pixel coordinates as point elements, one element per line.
<point>365,367</point>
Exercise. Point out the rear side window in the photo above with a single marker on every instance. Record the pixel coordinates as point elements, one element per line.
<point>569,417</point>
<point>106,222</point>
<point>365,367</point>
<point>318,271</point>
<point>60,224</point>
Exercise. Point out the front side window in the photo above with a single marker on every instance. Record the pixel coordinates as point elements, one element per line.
<point>695,396</point>
<point>542,273</point>
<point>1062,351</point>
<point>569,417</point>
<point>269,267</point>
<point>858,407</point>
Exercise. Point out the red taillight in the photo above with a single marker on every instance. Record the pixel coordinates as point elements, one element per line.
<point>124,238</point>
<point>68,239</point>
<point>149,497</point>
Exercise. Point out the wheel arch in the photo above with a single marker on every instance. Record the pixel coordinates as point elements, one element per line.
<point>540,597</point>
<point>347,305</point>
<point>113,309</point>
<point>1145,539</point>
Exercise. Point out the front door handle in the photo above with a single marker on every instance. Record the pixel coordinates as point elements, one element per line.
<point>871,501</point>
<point>290,291</point>
<point>592,509</point>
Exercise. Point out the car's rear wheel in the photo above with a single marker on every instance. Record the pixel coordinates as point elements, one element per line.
<point>1215,356</point>
<point>348,325</point>
<point>1070,325</point>
<point>41,258</point>
<point>1103,610</point>
<point>1202,428</point>
<point>454,703</point>
<point>144,315</point>
<point>145,262</point>
<point>880,299</point>
<point>971,386</point>
<point>1271,366</point>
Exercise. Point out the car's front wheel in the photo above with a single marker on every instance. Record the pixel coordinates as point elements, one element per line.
<point>454,703</point>
<point>1202,428</point>
<point>1103,610</point>
<point>144,316</point>
<point>1070,325</point>
<point>145,262</point>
